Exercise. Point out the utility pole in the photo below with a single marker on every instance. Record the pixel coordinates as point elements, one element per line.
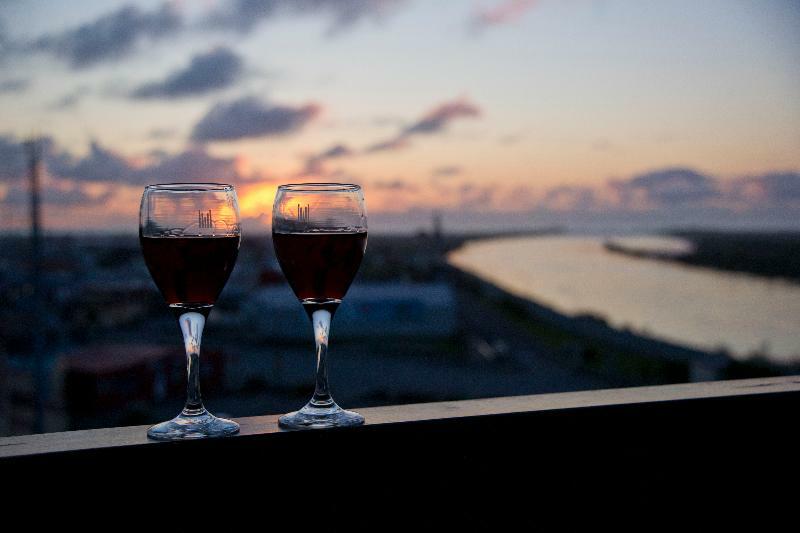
<point>33,147</point>
<point>437,227</point>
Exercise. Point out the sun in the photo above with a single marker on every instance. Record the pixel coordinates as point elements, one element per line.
<point>255,200</point>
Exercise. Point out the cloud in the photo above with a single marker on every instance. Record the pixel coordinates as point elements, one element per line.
<point>569,198</point>
<point>503,13</point>
<point>5,43</point>
<point>386,121</point>
<point>447,171</point>
<point>438,118</point>
<point>99,165</point>
<point>314,163</point>
<point>250,117</point>
<point>12,159</point>
<point>158,134</point>
<point>211,71</point>
<point>781,187</point>
<point>681,191</point>
<point>666,188</point>
<point>334,152</point>
<point>111,36</point>
<point>14,85</point>
<point>70,100</point>
<point>475,197</point>
<point>676,190</point>
<point>516,198</point>
<point>660,197</point>
<point>103,165</point>
<point>118,33</point>
<point>192,165</point>
<point>510,139</point>
<point>773,189</point>
<point>60,194</point>
<point>435,121</point>
<point>394,185</point>
<point>74,196</point>
<point>397,143</point>
<point>244,15</point>
<point>602,145</point>
<point>56,191</point>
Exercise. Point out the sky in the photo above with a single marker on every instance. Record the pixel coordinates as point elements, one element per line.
<point>494,113</point>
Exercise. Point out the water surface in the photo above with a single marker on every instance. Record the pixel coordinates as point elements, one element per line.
<point>698,307</point>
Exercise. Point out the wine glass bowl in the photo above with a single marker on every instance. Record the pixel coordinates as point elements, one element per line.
<point>189,235</point>
<point>319,231</point>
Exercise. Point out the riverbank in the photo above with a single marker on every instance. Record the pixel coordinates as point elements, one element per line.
<point>771,255</point>
<point>589,345</point>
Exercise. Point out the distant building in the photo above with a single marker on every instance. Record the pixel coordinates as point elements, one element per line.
<point>370,310</point>
<point>106,383</point>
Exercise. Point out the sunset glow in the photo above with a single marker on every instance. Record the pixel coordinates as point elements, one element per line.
<point>544,109</point>
<point>256,199</point>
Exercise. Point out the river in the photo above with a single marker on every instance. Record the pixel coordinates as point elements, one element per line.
<point>698,307</point>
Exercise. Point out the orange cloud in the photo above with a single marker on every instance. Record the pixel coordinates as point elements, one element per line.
<point>502,13</point>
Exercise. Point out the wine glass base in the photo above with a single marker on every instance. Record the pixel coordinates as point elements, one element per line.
<point>310,417</point>
<point>203,425</point>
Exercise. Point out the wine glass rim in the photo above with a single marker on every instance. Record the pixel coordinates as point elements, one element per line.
<point>319,187</point>
<point>190,186</point>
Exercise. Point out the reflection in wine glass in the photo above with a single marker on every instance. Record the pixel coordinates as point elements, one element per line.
<point>189,234</point>
<point>319,231</point>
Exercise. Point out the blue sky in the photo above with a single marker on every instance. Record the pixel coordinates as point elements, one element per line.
<point>479,108</point>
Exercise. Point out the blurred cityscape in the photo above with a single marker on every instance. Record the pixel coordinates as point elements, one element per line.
<point>562,196</point>
<point>97,347</point>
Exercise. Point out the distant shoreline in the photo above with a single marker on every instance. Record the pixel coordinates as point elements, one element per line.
<point>769,255</point>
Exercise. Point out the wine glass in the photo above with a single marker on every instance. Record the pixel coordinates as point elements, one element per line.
<point>319,231</point>
<point>189,234</point>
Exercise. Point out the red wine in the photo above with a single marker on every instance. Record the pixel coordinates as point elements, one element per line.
<point>190,271</point>
<point>320,266</point>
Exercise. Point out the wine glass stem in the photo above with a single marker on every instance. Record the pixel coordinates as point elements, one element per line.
<point>192,328</point>
<point>321,320</point>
